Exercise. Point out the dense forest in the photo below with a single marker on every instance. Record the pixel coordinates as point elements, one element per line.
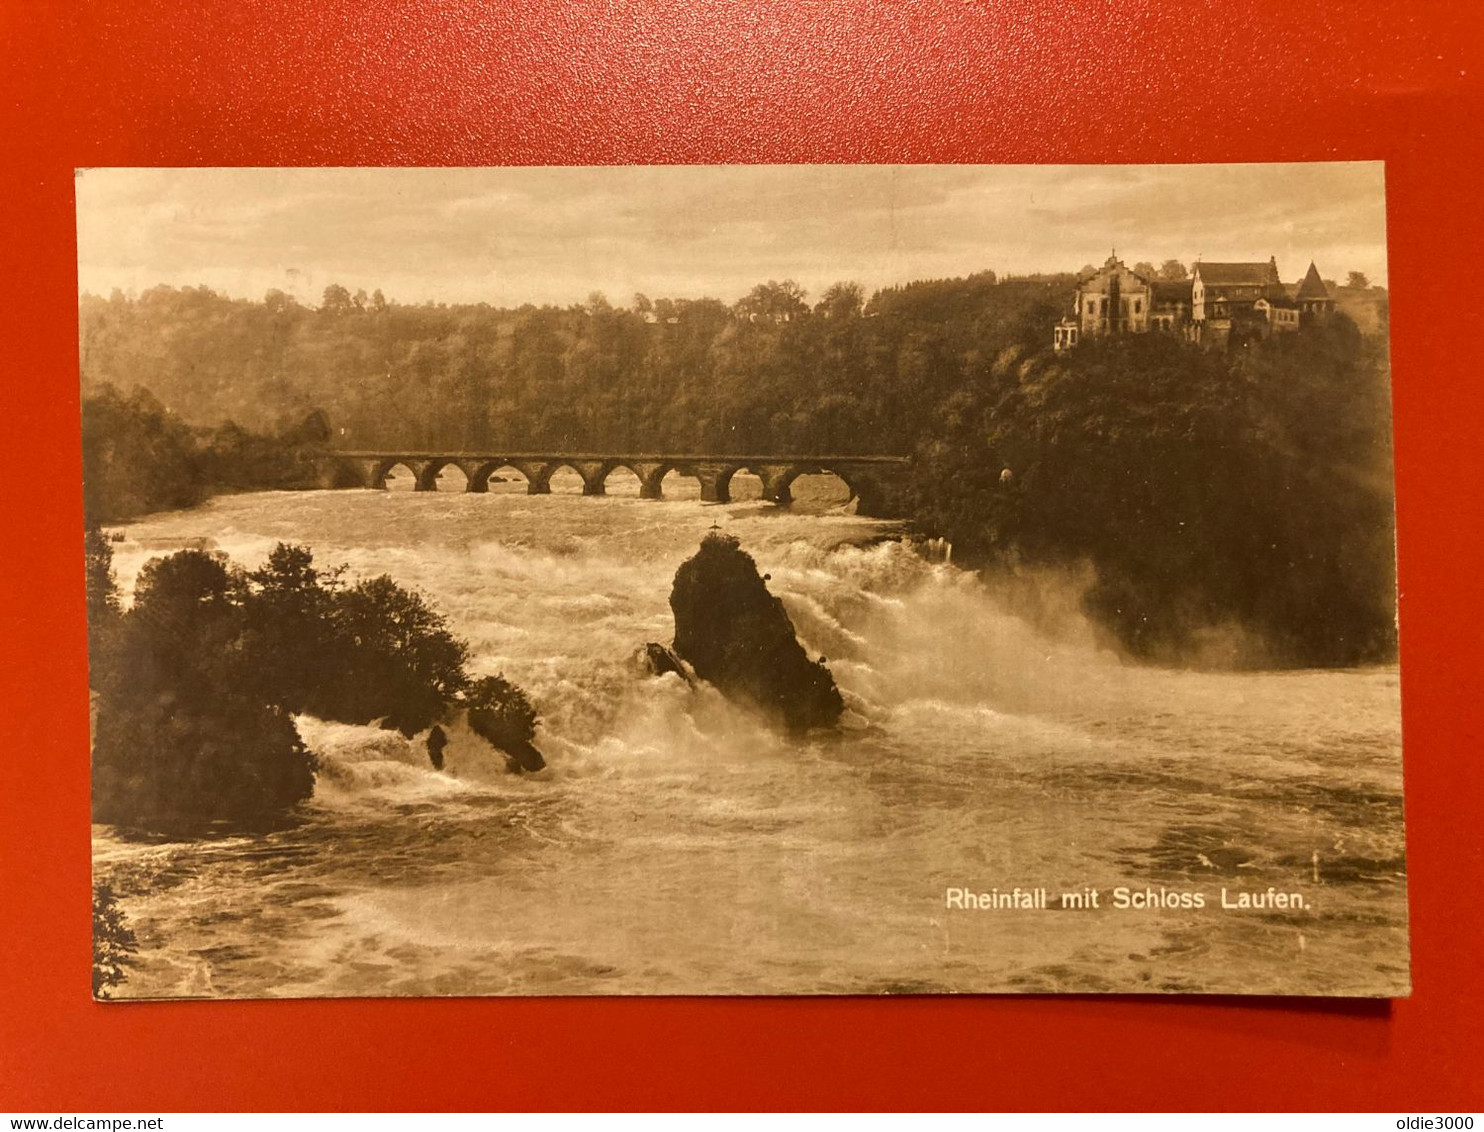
<point>769,374</point>
<point>1240,497</point>
<point>1245,488</point>
<point>139,456</point>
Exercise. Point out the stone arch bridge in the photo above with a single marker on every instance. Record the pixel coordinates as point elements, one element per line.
<point>874,481</point>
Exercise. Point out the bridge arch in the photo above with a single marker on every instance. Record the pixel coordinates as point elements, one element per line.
<point>621,478</point>
<point>487,472</point>
<point>559,483</point>
<point>676,481</point>
<point>431,475</point>
<point>450,475</point>
<point>396,474</point>
<point>753,483</point>
<point>817,493</point>
<point>863,486</point>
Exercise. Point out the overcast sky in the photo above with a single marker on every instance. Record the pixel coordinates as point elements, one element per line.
<point>554,235</point>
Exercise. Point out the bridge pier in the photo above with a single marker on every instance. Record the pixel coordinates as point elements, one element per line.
<point>471,470</point>
<point>594,476</point>
<point>777,479</point>
<point>870,498</point>
<point>716,480</point>
<point>651,477</point>
<point>538,478</point>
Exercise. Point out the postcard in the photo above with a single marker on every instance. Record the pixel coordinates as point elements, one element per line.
<point>746,580</point>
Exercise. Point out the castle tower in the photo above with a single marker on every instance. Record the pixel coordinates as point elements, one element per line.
<point>1314,300</point>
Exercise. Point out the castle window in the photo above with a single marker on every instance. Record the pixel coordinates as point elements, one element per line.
<point>1136,306</point>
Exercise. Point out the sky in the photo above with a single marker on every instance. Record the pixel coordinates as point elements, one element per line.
<point>508,236</point>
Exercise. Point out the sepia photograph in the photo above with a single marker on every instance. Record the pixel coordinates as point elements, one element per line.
<point>741,580</point>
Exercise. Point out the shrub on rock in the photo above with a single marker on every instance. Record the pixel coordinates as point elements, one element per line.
<point>502,715</point>
<point>392,656</point>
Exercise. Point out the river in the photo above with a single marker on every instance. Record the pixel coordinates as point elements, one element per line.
<point>676,845</point>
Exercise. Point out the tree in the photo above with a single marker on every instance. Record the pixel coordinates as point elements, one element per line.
<point>113,941</point>
<point>1145,270</point>
<point>183,593</point>
<point>200,678</point>
<point>137,457</point>
<point>1173,271</point>
<point>500,712</point>
<point>102,595</point>
<point>929,366</point>
<point>180,739</point>
<point>774,302</point>
<point>1358,281</point>
<point>336,300</point>
<point>841,300</point>
<point>288,643</point>
<point>313,429</point>
<point>393,658</point>
<point>177,762</point>
<point>140,457</point>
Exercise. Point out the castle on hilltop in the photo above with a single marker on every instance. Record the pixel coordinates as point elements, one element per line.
<point>1219,302</point>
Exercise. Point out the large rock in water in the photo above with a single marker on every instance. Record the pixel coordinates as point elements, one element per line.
<point>737,635</point>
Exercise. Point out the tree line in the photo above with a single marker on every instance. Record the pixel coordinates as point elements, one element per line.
<point>1247,488</point>
<point>770,373</point>
<point>139,456</point>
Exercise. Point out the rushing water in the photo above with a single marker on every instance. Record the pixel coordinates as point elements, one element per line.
<point>677,845</point>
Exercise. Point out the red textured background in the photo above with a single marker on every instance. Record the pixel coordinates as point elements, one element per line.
<point>378,82</point>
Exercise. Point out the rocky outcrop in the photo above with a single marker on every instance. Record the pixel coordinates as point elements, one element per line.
<point>522,756</point>
<point>657,659</point>
<point>738,636</point>
<point>437,741</point>
<point>501,714</point>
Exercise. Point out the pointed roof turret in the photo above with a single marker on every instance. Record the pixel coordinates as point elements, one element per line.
<point>1312,287</point>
